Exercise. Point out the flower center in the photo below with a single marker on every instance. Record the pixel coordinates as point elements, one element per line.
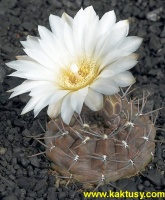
<point>78,74</point>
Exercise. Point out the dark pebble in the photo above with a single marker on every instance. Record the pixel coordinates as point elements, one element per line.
<point>30,171</point>
<point>160,162</point>
<point>154,176</point>
<point>41,184</point>
<point>32,194</point>
<point>7,182</point>
<point>29,198</point>
<point>2,187</point>
<point>51,180</point>
<point>55,3</point>
<point>12,177</point>
<point>163,153</point>
<point>34,161</point>
<point>18,122</point>
<point>10,138</point>
<point>51,193</point>
<point>26,183</point>
<point>147,183</point>
<point>155,43</point>
<point>28,26</point>
<point>16,150</point>
<point>62,195</point>
<point>163,32</point>
<point>140,187</point>
<point>10,197</point>
<point>24,161</point>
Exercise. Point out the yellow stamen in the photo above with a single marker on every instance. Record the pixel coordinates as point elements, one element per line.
<point>78,74</point>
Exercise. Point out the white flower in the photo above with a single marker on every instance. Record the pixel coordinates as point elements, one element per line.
<point>82,59</point>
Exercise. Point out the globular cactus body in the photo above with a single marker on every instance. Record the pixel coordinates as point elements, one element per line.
<point>97,153</point>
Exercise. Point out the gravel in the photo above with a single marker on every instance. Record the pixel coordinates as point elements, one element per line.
<point>27,178</point>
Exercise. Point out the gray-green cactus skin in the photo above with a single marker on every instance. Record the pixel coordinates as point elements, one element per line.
<point>120,144</point>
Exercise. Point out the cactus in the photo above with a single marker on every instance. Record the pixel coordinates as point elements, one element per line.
<point>117,142</point>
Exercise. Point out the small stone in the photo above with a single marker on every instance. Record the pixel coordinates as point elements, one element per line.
<point>51,180</point>
<point>12,177</point>
<point>10,197</point>
<point>2,150</point>
<point>41,184</point>
<point>29,198</point>
<point>24,162</point>
<point>86,3</point>
<point>154,15</point>
<point>3,98</point>
<point>15,11</point>
<point>155,43</point>
<point>2,187</point>
<point>26,133</point>
<point>22,192</point>
<point>17,150</point>
<point>140,187</point>
<point>7,182</point>
<point>141,32</point>
<point>10,137</point>
<point>2,73</point>
<point>62,195</point>
<point>154,176</point>
<point>18,122</point>
<point>55,3</point>
<point>163,32</point>
<point>24,98</point>
<point>30,172</point>
<point>51,193</point>
<point>26,183</point>
<point>79,2</point>
<point>32,194</point>
<point>113,2</point>
<point>34,161</point>
<point>160,162</point>
<point>28,26</point>
<point>147,183</point>
<point>154,28</point>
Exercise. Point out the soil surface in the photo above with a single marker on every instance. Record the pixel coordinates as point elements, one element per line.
<point>27,178</point>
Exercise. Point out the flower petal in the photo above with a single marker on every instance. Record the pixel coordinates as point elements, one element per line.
<point>119,66</point>
<point>131,44</point>
<point>51,87</point>
<point>124,79</point>
<point>30,70</point>
<point>78,31</point>
<point>91,36</point>
<point>51,45</point>
<point>59,94</point>
<point>54,109</point>
<point>105,86</point>
<point>44,101</point>
<point>27,86</point>
<point>67,19</point>
<point>31,104</point>
<point>66,109</point>
<point>78,98</point>
<point>68,37</point>
<point>94,100</point>
<point>56,24</point>
<point>45,34</point>
<point>41,58</point>
<point>107,22</point>
<point>31,42</point>
<point>117,36</point>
